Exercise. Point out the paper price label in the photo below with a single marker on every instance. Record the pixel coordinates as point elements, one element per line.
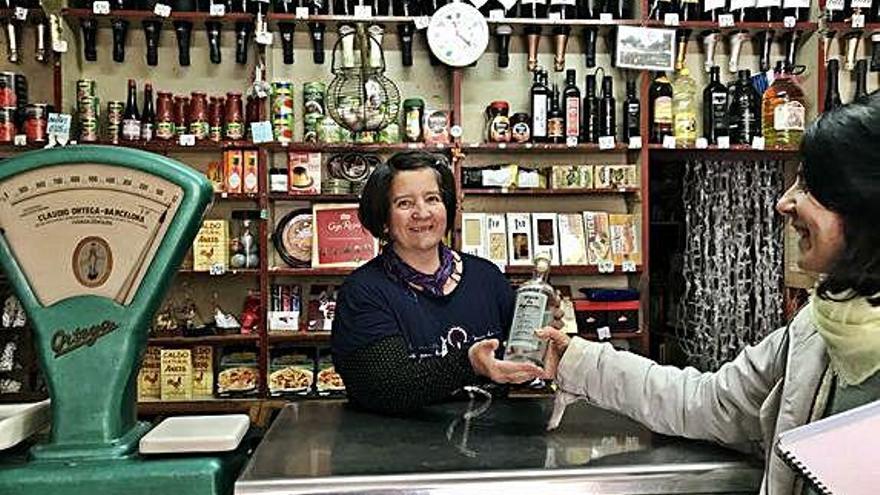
<point>606,142</point>
<point>217,269</point>
<point>768,3</point>
<point>508,4</point>
<point>301,12</point>
<point>723,142</point>
<point>604,333</point>
<point>789,21</point>
<point>758,142</point>
<point>59,125</point>
<point>571,141</point>
<point>702,143</point>
<point>725,21</point>
<point>422,22</point>
<point>669,142</point>
<point>218,10</point>
<point>635,142</point>
<point>21,13</point>
<point>162,10</point>
<point>861,4</point>
<point>496,15</point>
<point>20,140</point>
<point>554,17</point>
<point>629,266</point>
<point>606,18</point>
<point>741,4</point>
<point>261,132</point>
<point>834,5</point>
<point>606,267</point>
<point>858,21</point>
<point>502,146</point>
<point>264,38</point>
<point>363,11</point>
<point>670,19</point>
<point>101,7</point>
<point>187,140</point>
<point>711,5</point>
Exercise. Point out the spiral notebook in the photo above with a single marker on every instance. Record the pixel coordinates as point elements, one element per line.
<point>837,454</point>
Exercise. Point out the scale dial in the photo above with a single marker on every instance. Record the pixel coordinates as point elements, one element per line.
<point>458,34</point>
<point>89,229</point>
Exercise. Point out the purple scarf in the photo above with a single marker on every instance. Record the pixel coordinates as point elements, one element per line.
<point>432,284</point>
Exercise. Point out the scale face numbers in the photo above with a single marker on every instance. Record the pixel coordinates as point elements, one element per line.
<point>86,228</point>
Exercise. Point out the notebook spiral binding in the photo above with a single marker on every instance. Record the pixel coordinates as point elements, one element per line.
<point>804,471</point>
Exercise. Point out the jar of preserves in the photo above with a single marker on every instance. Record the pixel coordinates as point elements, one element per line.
<point>234,116</point>
<point>520,128</point>
<point>216,108</point>
<point>164,116</point>
<point>413,116</point>
<point>198,115</point>
<point>36,121</point>
<point>7,124</point>
<point>181,110</point>
<point>498,122</point>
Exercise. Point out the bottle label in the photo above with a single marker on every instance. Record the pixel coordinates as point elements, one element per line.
<point>663,110</point>
<point>572,117</point>
<point>413,129</point>
<point>562,2</point>
<point>499,129</point>
<point>556,127</point>
<point>131,129</point>
<point>164,130</point>
<point>521,133</point>
<point>789,117</point>
<point>539,118</point>
<point>719,110</point>
<point>534,2</point>
<point>528,316</point>
<point>147,131</point>
<point>632,115</point>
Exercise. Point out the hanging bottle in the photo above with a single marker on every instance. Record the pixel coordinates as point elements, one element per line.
<point>120,33</point>
<point>832,93</point>
<point>861,77</point>
<point>660,108</point>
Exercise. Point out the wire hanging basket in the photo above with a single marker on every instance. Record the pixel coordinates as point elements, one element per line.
<point>361,98</point>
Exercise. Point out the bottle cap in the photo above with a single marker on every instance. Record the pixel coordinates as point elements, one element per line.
<point>542,261</point>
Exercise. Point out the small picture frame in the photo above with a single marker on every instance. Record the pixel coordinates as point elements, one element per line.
<point>645,48</point>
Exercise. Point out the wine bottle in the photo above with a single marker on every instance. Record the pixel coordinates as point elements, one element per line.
<point>535,10</point>
<point>41,40</point>
<point>714,107</point>
<point>832,92</point>
<point>744,114</point>
<point>765,43</point>
<point>131,119</point>
<point>710,43</point>
<point>555,119</point>
<point>851,41</point>
<point>682,37</point>
<point>316,29</point>
<point>799,9</point>
<point>89,28</point>
<point>502,37</point>
<point>405,30</point>
<point>286,30</point>
<point>660,108</point>
<point>792,43</point>
<point>688,10</point>
<point>861,76</point>
<point>183,31</point>
<point>213,30</point>
<point>632,113</point>
<point>243,30</point>
<point>875,52</point>
<point>737,40</point>
<point>539,97</point>
<point>571,96</point>
<point>591,33</point>
<point>148,118</point>
<point>590,111</point>
<point>607,114</point>
<point>120,33</point>
<point>562,10</point>
<point>659,9</point>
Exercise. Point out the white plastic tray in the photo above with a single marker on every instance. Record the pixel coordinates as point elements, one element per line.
<point>19,421</point>
<point>196,434</point>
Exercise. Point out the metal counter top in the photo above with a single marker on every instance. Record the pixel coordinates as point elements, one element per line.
<point>329,448</point>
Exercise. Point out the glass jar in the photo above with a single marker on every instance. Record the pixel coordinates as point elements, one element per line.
<point>216,107</point>
<point>198,115</point>
<point>7,124</point>
<point>36,120</point>
<point>234,116</point>
<point>520,128</point>
<point>498,122</point>
<point>164,116</point>
<point>413,115</point>
<point>181,104</point>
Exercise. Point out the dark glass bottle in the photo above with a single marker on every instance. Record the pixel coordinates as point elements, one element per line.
<point>571,97</point>
<point>832,92</point>
<point>590,111</point>
<point>183,31</point>
<point>316,29</point>
<point>566,9</point>
<point>714,107</point>
<point>285,6</point>
<point>589,9</point>
<point>555,119</point>
<point>607,114</point>
<point>659,9</point>
<point>688,10</point>
<point>243,30</point>
<point>131,118</point>
<point>152,30</point>
<point>800,14</point>
<point>148,118</point>
<point>861,76</point>
<point>213,30</point>
<point>660,108</point>
<point>90,39</point>
<point>744,113</point>
<point>539,98</point>
<point>632,112</point>
<point>405,30</point>
<point>533,9</point>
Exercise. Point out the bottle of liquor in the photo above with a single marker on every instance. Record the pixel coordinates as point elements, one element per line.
<point>531,311</point>
<point>316,29</point>
<point>148,118</point>
<point>714,107</point>
<point>797,9</point>
<point>555,119</point>
<point>131,119</point>
<point>213,30</point>
<point>832,93</point>
<point>564,9</point>
<point>861,76</point>
<point>571,95</point>
<point>632,112</point>
<point>152,30</point>
<point>659,9</point>
<point>783,111</point>
<point>590,111</point>
<point>607,115</point>
<point>89,32</point>
<point>684,108</point>
<point>660,108</point>
<point>689,10</point>
<point>183,30</point>
<point>742,12</point>
<point>120,33</point>
<point>539,98</point>
<point>533,9</point>
<point>744,113</point>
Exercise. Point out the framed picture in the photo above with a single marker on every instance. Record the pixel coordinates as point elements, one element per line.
<point>645,48</point>
<point>339,239</point>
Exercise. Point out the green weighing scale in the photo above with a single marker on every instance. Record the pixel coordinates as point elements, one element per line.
<point>90,238</point>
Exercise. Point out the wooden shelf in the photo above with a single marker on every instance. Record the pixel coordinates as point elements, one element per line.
<point>614,336</point>
<point>846,27</point>
<point>541,147</point>
<point>749,25</point>
<point>243,272</point>
<point>206,340</point>
<point>353,148</point>
<point>152,407</point>
<point>569,270</point>
<point>548,192</point>
<point>300,338</point>
<point>344,198</point>
<point>224,196</point>
<point>197,18</point>
<point>738,151</point>
<point>310,272</point>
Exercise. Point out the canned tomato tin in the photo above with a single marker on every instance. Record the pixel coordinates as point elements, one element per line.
<point>282,111</point>
<point>8,98</point>
<point>7,124</point>
<point>115,109</point>
<point>35,122</point>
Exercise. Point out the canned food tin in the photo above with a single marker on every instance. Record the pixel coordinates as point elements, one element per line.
<point>282,111</point>
<point>36,120</point>
<point>85,87</point>
<point>311,123</point>
<point>115,109</point>
<point>8,98</point>
<point>7,124</point>
<point>313,97</point>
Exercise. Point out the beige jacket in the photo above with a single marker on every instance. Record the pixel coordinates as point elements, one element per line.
<point>767,389</point>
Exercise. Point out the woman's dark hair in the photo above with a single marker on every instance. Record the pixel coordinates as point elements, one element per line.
<point>841,169</point>
<point>375,202</point>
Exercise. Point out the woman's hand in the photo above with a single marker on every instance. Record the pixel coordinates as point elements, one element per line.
<point>482,357</point>
<point>557,343</point>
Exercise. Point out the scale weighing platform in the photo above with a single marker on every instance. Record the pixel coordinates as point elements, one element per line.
<point>90,238</point>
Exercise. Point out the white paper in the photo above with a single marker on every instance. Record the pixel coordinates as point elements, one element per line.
<point>702,143</point>
<point>725,21</point>
<point>789,21</point>
<point>758,142</point>
<point>669,142</point>
<point>670,19</point>
<point>301,12</point>
<point>604,333</point>
<point>21,13</point>
<point>834,5</point>
<point>635,142</point>
<point>162,10</point>
<point>606,142</point>
<point>101,7</point>
<point>187,140</point>
<point>723,142</point>
<point>218,10</point>
<point>711,5</point>
<point>741,4</point>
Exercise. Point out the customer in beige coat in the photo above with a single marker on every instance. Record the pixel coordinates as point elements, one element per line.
<point>826,359</point>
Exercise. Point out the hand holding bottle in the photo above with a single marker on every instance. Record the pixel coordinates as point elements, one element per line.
<point>484,362</point>
<point>557,342</point>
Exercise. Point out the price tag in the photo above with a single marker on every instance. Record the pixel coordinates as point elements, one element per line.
<point>261,132</point>
<point>629,266</point>
<point>456,131</point>
<point>554,16</point>
<point>741,4</point>
<point>219,10</point>
<point>606,18</point>
<point>58,125</point>
<point>21,13</point>
<point>702,143</point>
<point>670,19</point>
<point>101,7</point>
<point>422,22</point>
<point>264,38</point>
<point>264,214</point>
<point>530,145</point>
<point>59,46</point>
<point>606,142</point>
<point>725,21</point>
<point>789,21</point>
<point>187,140</point>
<point>711,5</point>
<point>217,269</point>
<point>162,10</point>
<point>758,142</point>
<point>669,142</point>
<point>496,14</point>
<point>834,5</point>
<point>723,142</point>
<point>861,4</point>
<point>20,140</point>
<point>606,267</point>
<point>571,141</point>
<point>858,21</point>
<point>302,12</point>
<point>502,146</point>
<point>635,142</point>
<point>604,333</point>
<point>363,11</point>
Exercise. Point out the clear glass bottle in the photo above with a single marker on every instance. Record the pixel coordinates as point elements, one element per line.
<point>684,104</point>
<point>531,312</point>
<point>784,111</point>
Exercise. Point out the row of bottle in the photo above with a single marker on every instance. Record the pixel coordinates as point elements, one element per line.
<point>832,77</point>
<point>742,10</point>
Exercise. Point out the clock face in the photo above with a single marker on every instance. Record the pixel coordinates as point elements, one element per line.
<point>458,34</point>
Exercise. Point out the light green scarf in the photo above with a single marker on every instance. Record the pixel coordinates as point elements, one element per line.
<point>851,331</point>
